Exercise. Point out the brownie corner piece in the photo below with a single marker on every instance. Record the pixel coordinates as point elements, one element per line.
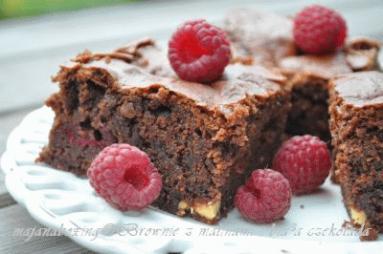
<point>356,123</point>
<point>204,139</point>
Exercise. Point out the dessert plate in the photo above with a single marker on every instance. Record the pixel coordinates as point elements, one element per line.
<point>68,204</point>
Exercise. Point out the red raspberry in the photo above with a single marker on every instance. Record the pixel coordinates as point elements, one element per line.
<point>305,161</point>
<point>199,51</point>
<point>265,197</point>
<point>319,30</point>
<point>124,176</point>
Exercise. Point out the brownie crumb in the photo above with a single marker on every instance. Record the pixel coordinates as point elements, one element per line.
<point>369,234</point>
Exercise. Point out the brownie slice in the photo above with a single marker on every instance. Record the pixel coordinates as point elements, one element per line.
<point>356,110</point>
<point>267,39</point>
<point>204,139</point>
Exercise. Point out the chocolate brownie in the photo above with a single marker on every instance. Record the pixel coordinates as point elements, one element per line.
<point>267,39</point>
<point>356,110</point>
<point>204,139</point>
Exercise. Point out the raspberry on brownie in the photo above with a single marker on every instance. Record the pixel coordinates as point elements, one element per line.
<point>319,30</point>
<point>356,109</point>
<point>204,139</point>
<point>199,51</point>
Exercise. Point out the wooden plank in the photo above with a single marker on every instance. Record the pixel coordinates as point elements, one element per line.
<point>6,199</point>
<point>3,191</point>
<point>14,219</point>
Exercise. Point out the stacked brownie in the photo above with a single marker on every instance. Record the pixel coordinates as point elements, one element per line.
<point>204,139</point>
<point>356,109</point>
<point>267,39</point>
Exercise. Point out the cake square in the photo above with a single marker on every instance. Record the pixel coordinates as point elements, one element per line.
<point>356,110</point>
<point>204,139</point>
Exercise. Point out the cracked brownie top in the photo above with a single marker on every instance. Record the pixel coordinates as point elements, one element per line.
<point>143,65</point>
<point>361,89</point>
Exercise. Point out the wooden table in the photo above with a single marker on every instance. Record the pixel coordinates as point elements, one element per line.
<point>33,48</point>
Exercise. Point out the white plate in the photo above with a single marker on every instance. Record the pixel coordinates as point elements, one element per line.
<point>67,203</point>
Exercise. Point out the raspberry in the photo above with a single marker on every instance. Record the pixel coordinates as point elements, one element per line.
<point>319,30</point>
<point>124,176</point>
<point>199,51</point>
<point>265,197</point>
<point>305,161</point>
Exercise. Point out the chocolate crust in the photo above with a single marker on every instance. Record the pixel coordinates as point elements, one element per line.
<point>204,148</point>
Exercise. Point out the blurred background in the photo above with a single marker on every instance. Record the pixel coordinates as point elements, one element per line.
<point>36,36</point>
<point>25,8</point>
